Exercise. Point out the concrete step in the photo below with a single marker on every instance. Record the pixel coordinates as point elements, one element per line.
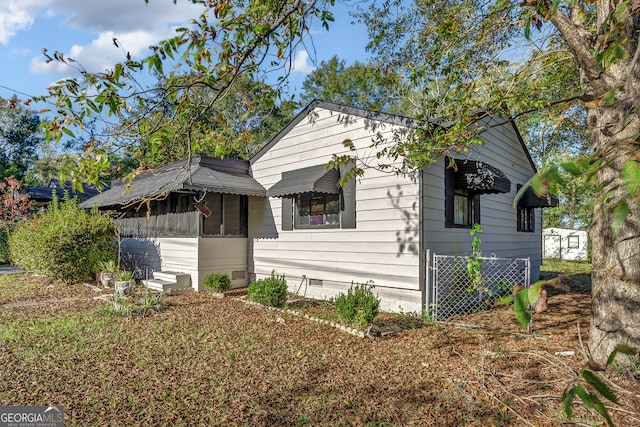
<point>169,287</point>
<point>182,279</point>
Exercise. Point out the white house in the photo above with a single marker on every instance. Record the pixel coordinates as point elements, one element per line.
<point>323,237</point>
<point>565,244</point>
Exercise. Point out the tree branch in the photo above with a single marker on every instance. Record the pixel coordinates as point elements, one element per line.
<point>579,44</point>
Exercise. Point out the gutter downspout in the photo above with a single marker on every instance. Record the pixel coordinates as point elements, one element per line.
<point>422,262</point>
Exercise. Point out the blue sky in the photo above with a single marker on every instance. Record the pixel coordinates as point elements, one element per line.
<point>83,29</point>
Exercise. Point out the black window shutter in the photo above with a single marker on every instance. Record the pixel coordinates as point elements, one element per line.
<point>448,194</point>
<point>287,213</point>
<point>348,199</point>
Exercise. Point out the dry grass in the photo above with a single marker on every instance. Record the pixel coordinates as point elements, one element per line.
<point>208,361</point>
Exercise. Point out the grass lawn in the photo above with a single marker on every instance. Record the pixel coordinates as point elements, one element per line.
<point>207,361</point>
<point>565,267</point>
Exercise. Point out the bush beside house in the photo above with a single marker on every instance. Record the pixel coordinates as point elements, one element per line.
<point>359,305</point>
<point>65,242</point>
<point>217,282</point>
<point>271,291</point>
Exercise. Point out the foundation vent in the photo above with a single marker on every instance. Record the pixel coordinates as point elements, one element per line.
<point>315,282</point>
<point>238,275</point>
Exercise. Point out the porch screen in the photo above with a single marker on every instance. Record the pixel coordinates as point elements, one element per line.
<point>228,215</point>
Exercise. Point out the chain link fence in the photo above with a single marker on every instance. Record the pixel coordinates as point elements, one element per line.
<point>457,292</point>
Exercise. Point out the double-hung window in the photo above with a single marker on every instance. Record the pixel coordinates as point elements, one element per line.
<point>317,210</point>
<point>526,219</point>
<point>312,198</point>
<point>465,180</point>
<point>463,209</point>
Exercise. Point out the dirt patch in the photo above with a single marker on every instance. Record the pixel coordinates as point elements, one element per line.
<point>31,288</point>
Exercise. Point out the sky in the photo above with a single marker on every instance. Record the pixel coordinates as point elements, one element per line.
<point>84,30</point>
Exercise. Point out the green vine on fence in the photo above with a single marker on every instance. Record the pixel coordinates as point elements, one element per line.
<point>474,261</point>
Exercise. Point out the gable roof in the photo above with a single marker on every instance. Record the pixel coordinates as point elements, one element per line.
<point>201,173</point>
<point>353,111</point>
<point>374,115</point>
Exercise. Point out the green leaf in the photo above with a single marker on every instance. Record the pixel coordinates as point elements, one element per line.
<point>612,356</point>
<point>619,52</point>
<point>567,399</point>
<point>521,308</point>
<point>625,349</point>
<point>584,396</point>
<point>621,348</point>
<point>572,167</point>
<point>533,293</point>
<point>622,7</point>
<point>631,176</point>
<point>619,215</point>
<point>601,387</point>
<point>505,300</point>
<point>118,71</point>
<point>610,96</point>
<point>600,408</point>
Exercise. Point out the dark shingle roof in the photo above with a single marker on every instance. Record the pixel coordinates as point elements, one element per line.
<point>45,194</point>
<point>201,173</point>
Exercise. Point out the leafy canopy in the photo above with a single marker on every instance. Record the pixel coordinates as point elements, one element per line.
<point>19,138</point>
<point>196,71</point>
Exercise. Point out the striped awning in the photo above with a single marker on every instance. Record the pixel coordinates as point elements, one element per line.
<point>317,179</point>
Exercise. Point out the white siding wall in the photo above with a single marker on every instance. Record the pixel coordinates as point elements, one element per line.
<point>497,215</point>
<point>385,243</point>
<point>161,254</point>
<point>196,256</point>
<point>222,255</point>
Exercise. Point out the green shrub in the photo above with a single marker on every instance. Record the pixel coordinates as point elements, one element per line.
<point>217,282</point>
<point>271,291</point>
<point>65,242</point>
<point>124,276</point>
<point>4,245</point>
<point>359,305</point>
<point>109,266</point>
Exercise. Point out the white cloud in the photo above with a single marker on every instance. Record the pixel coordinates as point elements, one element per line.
<point>124,15</point>
<point>101,54</point>
<point>13,18</point>
<point>301,63</point>
<point>134,23</point>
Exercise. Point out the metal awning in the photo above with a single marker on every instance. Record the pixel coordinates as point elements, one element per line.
<point>480,178</point>
<point>203,173</point>
<point>312,179</point>
<point>530,200</point>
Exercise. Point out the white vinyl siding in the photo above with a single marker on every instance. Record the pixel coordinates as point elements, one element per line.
<point>498,217</point>
<point>196,256</point>
<point>383,247</point>
<point>161,254</point>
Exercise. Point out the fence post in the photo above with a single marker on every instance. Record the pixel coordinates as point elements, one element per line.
<point>427,282</point>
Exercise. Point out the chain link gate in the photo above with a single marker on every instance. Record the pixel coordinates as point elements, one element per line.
<point>455,292</point>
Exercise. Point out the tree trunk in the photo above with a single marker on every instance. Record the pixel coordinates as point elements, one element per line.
<point>616,256</point>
